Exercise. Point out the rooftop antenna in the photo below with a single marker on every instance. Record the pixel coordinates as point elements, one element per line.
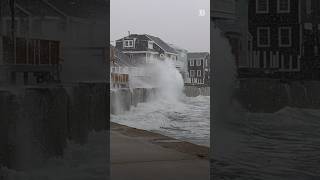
<point>129,33</point>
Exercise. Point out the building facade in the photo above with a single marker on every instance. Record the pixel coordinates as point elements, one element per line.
<point>145,49</point>
<point>199,68</point>
<point>53,40</point>
<point>284,38</point>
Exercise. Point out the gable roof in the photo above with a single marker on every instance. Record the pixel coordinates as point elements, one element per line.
<point>197,55</point>
<point>163,45</point>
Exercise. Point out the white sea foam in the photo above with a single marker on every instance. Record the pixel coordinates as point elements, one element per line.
<point>170,113</point>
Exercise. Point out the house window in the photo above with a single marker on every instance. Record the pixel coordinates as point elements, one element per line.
<point>198,62</point>
<point>263,36</point>
<point>285,36</point>
<point>198,73</point>
<point>192,73</point>
<point>150,45</point>
<point>283,6</point>
<point>191,62</point>
<point>206,62</point>
<point>128,43</point>
<point>262,6</point>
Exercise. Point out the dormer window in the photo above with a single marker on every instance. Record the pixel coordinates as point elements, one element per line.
<point>128,43</point>
<point>150,45</point>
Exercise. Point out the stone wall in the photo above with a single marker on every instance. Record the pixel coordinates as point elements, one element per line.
<point>193,91</point>
<point>36,122</point>
<point>268,95</point>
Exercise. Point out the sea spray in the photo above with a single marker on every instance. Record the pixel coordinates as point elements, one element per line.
<point>167,79</point>
<point>224,110</point>
<point>170,112</point>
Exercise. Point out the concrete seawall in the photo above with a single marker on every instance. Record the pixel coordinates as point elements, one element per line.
<point>37,121</point>
<point>268,95</point>
<point>193,91</point>
<point>123,99</point>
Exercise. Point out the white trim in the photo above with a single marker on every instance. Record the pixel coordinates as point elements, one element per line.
<point>166,52</point>
<point>150,44</point>
<point>191,62</point>
<point>258,36</point>
<point>192,73</point>
<point>284,11</point>
<point>140,52</point>
<point>198,62</point>
<point>198,73</point>
<point>290,37</point>
<point>264,11</point>
<point>130,43</point>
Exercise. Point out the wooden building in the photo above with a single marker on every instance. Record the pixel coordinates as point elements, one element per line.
<point>285,38</point>
<point>51,39</point>
<point>199,68</point>
<point>120,68</point>
<point>145,49</point>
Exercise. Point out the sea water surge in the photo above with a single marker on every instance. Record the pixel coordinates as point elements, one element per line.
<point>187,119</point>
<point>170,112</point>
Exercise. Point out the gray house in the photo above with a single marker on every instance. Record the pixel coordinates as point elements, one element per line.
<point>144,48</point>
<point>199,68</point>
<point>54,41</point>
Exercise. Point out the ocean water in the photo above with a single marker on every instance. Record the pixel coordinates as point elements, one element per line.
<point>283,145</point>
<point>186,119</point>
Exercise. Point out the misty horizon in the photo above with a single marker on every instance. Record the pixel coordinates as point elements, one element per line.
<point>174,24</point>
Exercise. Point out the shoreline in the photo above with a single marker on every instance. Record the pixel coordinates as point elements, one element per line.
<point>198,151</point>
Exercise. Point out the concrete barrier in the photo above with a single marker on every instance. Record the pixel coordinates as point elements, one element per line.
<point>193,91</point>
<point>269,95</point>
<point>36,122</point>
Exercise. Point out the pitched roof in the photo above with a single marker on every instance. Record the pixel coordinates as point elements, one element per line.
<point>163,45</point>
<point>196,55</point>
<point>96,9</point>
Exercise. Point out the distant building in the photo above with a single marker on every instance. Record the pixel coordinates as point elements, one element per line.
<point>144,48</point>
<point>285,38</point>
<point>199,68</point>
<point>182,61</point>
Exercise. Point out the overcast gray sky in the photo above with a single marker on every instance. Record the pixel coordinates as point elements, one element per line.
<point>175,21</point>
